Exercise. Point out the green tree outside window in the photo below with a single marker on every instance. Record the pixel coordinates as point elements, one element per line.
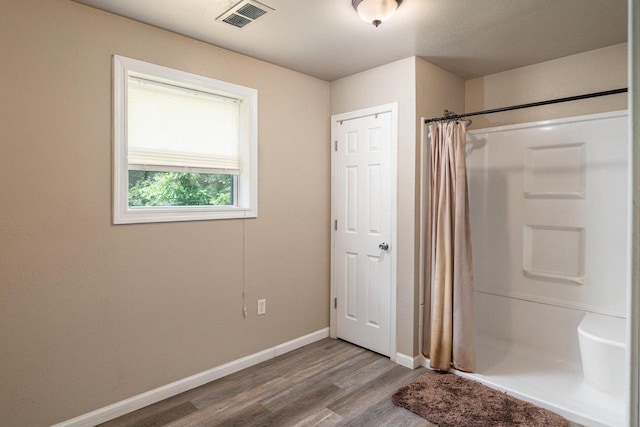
<point>148,188</point>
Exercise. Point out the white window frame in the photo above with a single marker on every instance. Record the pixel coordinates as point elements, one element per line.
<point>246,203</point>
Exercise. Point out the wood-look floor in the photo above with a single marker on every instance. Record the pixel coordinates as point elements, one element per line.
<point>328,383</point>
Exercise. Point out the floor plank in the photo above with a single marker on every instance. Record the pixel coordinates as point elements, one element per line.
<point>368,395</point>
<point>324,417</point>
<point>327,383</point>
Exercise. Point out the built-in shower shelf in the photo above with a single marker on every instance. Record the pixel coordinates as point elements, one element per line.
<point>554,277</point>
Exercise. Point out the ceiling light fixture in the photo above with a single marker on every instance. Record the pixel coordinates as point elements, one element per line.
<point>375,11</point>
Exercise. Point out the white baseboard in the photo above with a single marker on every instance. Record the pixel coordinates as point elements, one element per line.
<point>153,396</point>
<point>425,363</point>
<point>408,361</point>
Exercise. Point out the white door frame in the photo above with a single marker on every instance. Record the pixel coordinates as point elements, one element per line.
<point>633,318</point>
<point>335,122</point>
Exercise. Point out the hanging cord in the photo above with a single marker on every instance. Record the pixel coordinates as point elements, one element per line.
<point>244,268</point>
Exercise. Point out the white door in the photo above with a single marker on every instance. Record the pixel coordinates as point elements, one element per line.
<point>362,231</point>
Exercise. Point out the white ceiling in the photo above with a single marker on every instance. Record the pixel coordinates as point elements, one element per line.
<point>326,38</point>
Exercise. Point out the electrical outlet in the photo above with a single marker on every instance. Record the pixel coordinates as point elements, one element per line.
<point>262,307</point>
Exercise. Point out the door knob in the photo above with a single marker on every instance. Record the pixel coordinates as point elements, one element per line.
<point>383,246</point>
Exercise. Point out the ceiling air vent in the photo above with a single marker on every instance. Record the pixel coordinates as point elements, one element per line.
<point>244,13</point>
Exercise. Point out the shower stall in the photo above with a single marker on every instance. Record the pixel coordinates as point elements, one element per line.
<point>549,207</point>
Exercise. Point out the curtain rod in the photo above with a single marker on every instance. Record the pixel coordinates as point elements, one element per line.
<point>532,104</point>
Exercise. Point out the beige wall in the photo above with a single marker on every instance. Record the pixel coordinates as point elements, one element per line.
<point>92,313</point>
<point>420,88</point>
<point>593,71</point>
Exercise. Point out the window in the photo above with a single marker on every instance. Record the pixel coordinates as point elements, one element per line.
<point>185,146</point>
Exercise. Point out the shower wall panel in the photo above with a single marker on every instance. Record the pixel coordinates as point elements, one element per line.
<point>548,204</point>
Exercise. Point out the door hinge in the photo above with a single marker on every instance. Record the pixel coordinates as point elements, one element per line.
<point>335,145</point>
<point>335,224</point>
<point>335,303</point>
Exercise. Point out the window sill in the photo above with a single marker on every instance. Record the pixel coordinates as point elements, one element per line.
<point>178,214</point>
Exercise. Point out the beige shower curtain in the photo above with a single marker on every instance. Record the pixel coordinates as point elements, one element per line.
<point>449,314</point>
